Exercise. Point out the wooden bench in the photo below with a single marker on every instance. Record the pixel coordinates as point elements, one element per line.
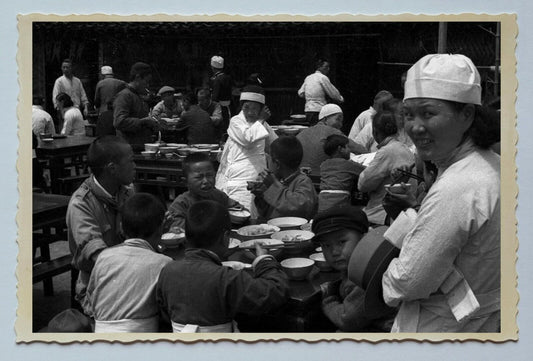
<point>67,185</point>
<point>46,270</point>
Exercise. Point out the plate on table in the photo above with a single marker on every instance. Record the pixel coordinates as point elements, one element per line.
<point>299,126</point>
<point>233,242</point>
<point>257,230</point>
<point>236,265</point>
<point>284,222</point>
<point>266,242</point>
<point>293,236</point>
<point>47,140</point>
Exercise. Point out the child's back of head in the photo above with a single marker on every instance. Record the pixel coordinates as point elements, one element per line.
<point>206,223</point>
<point>332,144</point>
<point>142,216</point>
<point>288,151</point>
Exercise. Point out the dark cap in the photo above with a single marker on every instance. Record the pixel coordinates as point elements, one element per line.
<point>339,218</point>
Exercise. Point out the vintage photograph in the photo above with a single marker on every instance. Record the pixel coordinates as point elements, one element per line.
<point>282,178</point>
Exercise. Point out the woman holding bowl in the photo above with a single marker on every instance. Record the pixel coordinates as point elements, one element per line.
<point>452,253</point>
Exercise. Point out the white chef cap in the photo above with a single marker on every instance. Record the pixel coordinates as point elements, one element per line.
<point>444,76</point>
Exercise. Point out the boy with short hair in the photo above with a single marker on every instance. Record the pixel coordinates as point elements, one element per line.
<point>339,230</point>
<point>121,289</point>
<point>200,174</point>
<point>285,191</point>
<point>198,294</point>
<point>338,174</point>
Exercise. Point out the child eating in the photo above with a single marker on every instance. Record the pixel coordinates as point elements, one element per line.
<point>200,175</point>
<point>199,294</point>
<point>339,230</point>
<point>338,174</point>
<point>284,190</point>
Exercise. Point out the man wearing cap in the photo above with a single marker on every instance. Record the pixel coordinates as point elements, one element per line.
<point>106,89</point>
<point>330,122</point>
<point>366,116</point>
<point>168,107</point>
<point>130,112</point>
<point>221,84</point>
<point>315,89</point>
<point>244,156</point>
<point>338,230</point>
<point>69,84</point>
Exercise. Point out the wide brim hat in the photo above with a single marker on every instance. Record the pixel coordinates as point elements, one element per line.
<point>329,109</point>
<point>451,77</point>
<point>370,259</point>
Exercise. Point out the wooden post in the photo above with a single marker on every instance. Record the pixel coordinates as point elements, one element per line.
<point>498,60</point>
<point>443,30</point>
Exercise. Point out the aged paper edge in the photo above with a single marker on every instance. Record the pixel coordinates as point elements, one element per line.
<point>509,190</point>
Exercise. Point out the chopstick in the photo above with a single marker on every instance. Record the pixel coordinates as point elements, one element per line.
<point>264,246</point>
<point>411,175</point>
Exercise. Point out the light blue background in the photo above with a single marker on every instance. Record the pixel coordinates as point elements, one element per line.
<point>521,350</point>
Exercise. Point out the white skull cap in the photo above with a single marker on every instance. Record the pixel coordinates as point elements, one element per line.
<point>106,70</point>
<point>450,77</point>
<point>329,109</point>
<point>217,62</point>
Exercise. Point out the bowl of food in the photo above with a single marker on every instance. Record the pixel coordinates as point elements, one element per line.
<point>148,154</point>
<point>257,230</point>
<point>320,261</point>
<point>167,149</point>
<point>296,241</point>
<point>169,155</point>
<point>297,268</point>
<point>286,222</point>
<point>239,217</point>
<point>273,247</point>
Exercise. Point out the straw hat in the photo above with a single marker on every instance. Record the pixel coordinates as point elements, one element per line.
<point>369,260</point>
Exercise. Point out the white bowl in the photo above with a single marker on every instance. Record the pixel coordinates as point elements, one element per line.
<point>154,147</point>
<point>149,154</point>
<point>320,261</point>
<point>284,222</point>
<point>239,217</point>
<point>257,230</point>
<point>297,268</point>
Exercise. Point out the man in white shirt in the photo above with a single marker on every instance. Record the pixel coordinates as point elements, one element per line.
<point>366,116</point>
<point>41,121</point>
<point>315,89</point>
<point>68,83</point>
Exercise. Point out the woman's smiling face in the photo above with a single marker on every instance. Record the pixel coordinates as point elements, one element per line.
<point>435,126</point>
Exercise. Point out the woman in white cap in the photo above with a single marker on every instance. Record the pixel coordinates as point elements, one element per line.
<point>313,138</point>
<point>244,157</point>
<point>447,277</point>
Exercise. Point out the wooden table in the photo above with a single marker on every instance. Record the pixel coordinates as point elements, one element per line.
<point>48,225</point>
<point>58,151</point>
<point>302,312</point>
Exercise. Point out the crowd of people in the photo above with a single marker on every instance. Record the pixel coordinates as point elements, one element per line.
<point>446,277</point>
